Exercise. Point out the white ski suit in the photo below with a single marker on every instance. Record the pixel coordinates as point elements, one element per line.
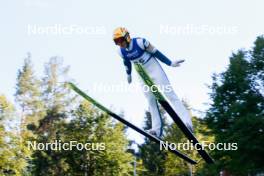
<point>142,52</point>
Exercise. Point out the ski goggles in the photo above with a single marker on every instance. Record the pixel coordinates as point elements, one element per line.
<point>119,40</point>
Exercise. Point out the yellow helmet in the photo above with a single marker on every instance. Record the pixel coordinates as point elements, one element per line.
<point>121,34</point>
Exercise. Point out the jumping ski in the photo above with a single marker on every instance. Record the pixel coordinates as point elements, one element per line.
<point>164,103</point>
<point>117,117</point>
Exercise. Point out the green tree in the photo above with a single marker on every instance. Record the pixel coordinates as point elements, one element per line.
<point>57,101</point>
<point>28,95</point>
<point>90,125</point>
<point>56,96</point>
<point>64,123</point>
<point>236,116</point>
<point>153,159</point>
<point>257,58</point>
<point>176,166</point>
<point>12,154</point>
<point>257,64</point>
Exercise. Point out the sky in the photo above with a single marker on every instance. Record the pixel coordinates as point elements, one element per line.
<point>204,33</point>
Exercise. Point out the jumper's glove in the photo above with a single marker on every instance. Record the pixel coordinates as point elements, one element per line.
<point>129,79</point>
<point>177,63</point>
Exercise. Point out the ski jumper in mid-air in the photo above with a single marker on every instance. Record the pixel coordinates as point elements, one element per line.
<point>141,51</point>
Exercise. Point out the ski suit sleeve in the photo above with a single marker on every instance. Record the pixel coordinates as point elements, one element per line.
<point>162,58</point>
<point>128,66</point>
<point>127,63</point>
<point>155,52</point>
